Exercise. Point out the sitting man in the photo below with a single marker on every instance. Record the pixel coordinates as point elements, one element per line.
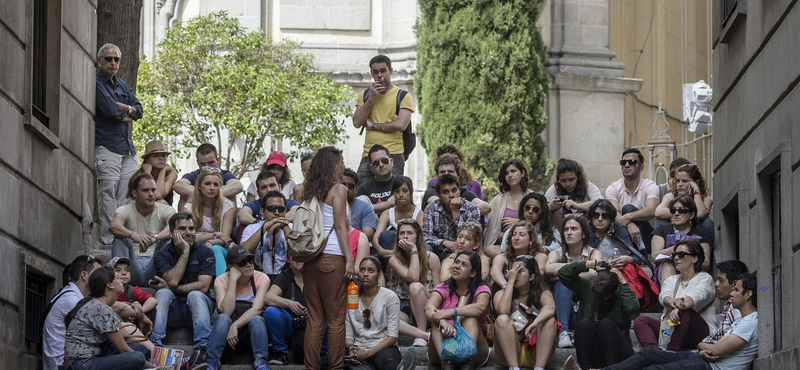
<point>141,225</point>
<point>265,182</point>
<point>728,272</point>
<point>266,239</point>
<point>207,157</point>
<point>378,189</point>
<point>449,164</point>
<point>362,217</point>
<point>634,198</point>
<point>185,269</point>
<point>140,302</point>
<point>736,350</point>
<point>442,218</point>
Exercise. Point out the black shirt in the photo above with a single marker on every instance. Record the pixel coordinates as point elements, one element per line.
<point>201,262</point>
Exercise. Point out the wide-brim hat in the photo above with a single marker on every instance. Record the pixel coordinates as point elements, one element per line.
<point>155,147</point>
<point>276,158</point>
<point>236,254</point>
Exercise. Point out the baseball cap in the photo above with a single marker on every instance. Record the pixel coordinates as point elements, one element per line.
<point>276,158</point>
<point>114,261</point>
<point>236,254</point>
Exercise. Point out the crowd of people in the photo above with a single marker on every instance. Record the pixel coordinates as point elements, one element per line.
<point>520,275</point>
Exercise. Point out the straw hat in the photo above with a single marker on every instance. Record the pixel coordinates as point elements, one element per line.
<point>154,147</point>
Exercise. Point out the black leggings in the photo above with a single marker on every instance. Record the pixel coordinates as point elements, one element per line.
<point>600,344</point>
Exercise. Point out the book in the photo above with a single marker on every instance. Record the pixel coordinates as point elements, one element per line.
<point>161,356</point>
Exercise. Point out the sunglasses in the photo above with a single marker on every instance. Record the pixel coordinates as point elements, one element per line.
<point>682,211</point>
<point>245,261</point>
<point>472,226</point>
<point>275,208</point>
<point>366,313</point>
<point>603,215</point>
<point>681,254</point>
<point>89,260</point>
<point>534,208</point>
<point>629,162</point>
<point>214,169</point>
<point>350,185</point>
<point>108,59</point>
<point>523,257</point>
<point>407,221</point>
<point>378,162</point>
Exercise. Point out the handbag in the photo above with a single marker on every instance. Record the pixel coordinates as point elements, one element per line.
<point>131,333</point>
<point>460,348</point>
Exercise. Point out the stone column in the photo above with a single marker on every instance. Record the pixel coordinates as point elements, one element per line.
<point>586,103</point>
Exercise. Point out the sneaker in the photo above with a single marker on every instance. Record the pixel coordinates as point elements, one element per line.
<point>409,359</point>
<point>571,364</point>
<point>419,342</point>
<point>564,339</point>
<point>262,367</point>
<point>277,358</point>
<point>447,365</point>
<point>198,358</point>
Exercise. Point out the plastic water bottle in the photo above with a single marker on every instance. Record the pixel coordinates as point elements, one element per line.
<point>616,254</point>
<point>352,296</point>
<point>666,335</point>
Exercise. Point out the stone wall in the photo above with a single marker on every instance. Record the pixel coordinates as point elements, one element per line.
<point>46,173</point>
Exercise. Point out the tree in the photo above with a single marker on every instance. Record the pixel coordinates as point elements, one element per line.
<point>118,24</point>
<point>212,81</point>
<point>481,85</point>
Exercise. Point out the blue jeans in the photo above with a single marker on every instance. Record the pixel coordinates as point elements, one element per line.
<point>256,327</point>
<point>192,310</point>
<point>281,330</point>
<point>142,268</point>
<point>645,230</point>
<point>564,312</point>
<point>654,359</point>
<point>122,361</point>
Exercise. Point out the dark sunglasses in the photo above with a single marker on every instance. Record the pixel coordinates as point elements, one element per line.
<point>108,59</point>
<point>681,254</point>
<point>629,162</point>
<point>366,313</point>
<point>603,215</point>
<point>682,211</point>
<point>472,226</point>
<point>407,221</point>
<point>534,208</point>
<point>350,185</point>
<point>275,208</point>
<point>523,257</point>
<point>214,169</point>
<point>245,261</point>
<point>378,162</point>
<point>89,260</point>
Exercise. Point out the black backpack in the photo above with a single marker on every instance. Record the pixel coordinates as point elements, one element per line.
<point>409,139</point>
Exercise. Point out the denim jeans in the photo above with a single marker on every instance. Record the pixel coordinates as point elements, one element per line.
<point>192,310</point>
<point>564,312</point>
<point>257,330</point>
<point>142,268</point>
<point>654,359</point>
<point>281,330</point>
<point>122,361</point>
<point>113,172</point>
<point>645,230</point>
<point>600,343</point>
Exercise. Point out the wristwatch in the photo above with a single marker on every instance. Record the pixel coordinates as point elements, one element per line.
<point>130,109</point>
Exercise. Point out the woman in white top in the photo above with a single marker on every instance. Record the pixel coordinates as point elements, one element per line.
<point>404,208</point>
<point>513,179</point>
<point>523,242</point>
<point>326,277</point>
<point>688,298</point>
<point>571,192</point>
<point>213,215</point>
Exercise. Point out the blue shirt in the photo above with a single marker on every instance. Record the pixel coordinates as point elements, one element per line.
<point>201,262</point>
<point>362,215</point>
<point>254,206</point>
<point>109,130</point>
<point>226,176</point>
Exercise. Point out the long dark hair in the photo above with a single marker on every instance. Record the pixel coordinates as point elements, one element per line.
<point>544,226</point>
<point>581,188</point>
<point>98,280</point>
<point>585,237</point>
<point>520,165</point>
<point>399,181</point>
<point>538,285</point>
<point>694,174</point>
<point>474,283</point>
<point>405,257</point>
<point>321,174</point>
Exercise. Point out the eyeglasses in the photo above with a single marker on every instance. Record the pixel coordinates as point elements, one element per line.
<point>350,185</point>
<point>378,162</point>
<point>681,254</point>
<point>118,277</point>
<point>88,261</point>
<point>682,211</point>
<point>245,261</point>
<point>366,313</point>
<point>535,209</point>
<point>629,162</point>
<point>108,59</point>
<point>523,257</point>
<point>275,208</point>
<point>603,215</point>
<point>207,168</point>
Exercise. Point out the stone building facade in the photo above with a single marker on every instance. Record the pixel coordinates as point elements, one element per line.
<point>757,154</point>
<point>46,160</point>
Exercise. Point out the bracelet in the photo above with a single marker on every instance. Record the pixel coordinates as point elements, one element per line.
<point>414,252</point>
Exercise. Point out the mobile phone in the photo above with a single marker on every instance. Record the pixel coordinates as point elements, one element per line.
<point>152,282</point>
<point>562,197</point>
<point>382,79</point>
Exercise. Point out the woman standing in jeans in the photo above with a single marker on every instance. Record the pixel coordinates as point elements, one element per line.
<point>326,276</point>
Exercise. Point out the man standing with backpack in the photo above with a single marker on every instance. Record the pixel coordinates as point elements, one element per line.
<point>384,110</point>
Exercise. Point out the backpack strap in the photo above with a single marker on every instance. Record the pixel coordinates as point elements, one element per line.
<point>129,293</point>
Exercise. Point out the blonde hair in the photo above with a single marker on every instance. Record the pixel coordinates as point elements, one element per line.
<point>197,201</point>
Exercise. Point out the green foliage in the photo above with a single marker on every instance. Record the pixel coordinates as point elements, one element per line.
<point>212,81</point>
<point>481,85</point>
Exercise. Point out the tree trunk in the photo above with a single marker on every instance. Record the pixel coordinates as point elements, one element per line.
<point>118,24</point>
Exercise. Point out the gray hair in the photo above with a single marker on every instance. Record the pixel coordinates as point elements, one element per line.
<point>106,47</point>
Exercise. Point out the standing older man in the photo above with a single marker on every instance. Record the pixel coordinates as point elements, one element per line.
<point>116,107</point>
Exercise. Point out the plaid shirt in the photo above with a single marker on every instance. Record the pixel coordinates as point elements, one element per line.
<point>437,226</point>
<point>729,315</point>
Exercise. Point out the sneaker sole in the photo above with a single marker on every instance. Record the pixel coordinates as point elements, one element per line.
<point>409,359</point>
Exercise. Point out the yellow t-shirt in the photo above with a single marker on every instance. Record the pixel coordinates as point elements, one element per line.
<point>383,111</point>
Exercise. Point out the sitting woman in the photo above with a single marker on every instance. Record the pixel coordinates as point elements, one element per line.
<point>240,296</point>
<point>526,327</point>
<point>571,192</point>
<point>372,329</point>
<point>412,273</point>
<point>513,179</point>
<point>523,242</point>
<point>464,175</point>
<point>276,163</point>
<point>576,248</point>
<point>463,295</point>
<point>93,339</point>
<point>467,239</point>
<point>666,236</point>
<point>404,209</point>
<point>607,234</point>
<point>688,299</point>
<point>213,213</point>
<point>154,162</point>
<point>688,180</point>
<point>532,208</point>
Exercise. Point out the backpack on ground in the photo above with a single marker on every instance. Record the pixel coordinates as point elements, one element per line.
<point>409,139</point>
<point>307,239</point>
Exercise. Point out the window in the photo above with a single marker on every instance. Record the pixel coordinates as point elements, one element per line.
<point>39,83</point>
<point>777,272</point>
<point>43,57</point>
<point>35,303</point>
<point>728,7</point>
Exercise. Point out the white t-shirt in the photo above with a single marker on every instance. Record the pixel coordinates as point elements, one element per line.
<point>207,221</point>
<point>592,193</point>
<point>146,225</point>
<point>740,359</point>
